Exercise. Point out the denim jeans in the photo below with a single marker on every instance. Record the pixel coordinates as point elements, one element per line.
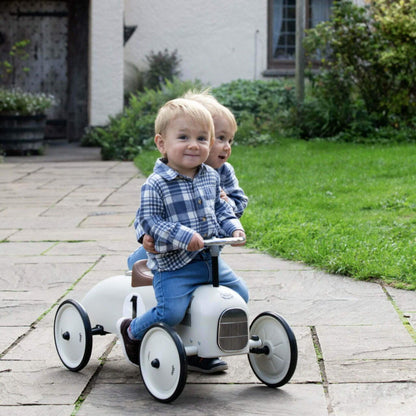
<point>139,254</point>
<point>174,289</point>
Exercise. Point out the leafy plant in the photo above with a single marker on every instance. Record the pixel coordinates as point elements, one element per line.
<point>15,101</point>
<point>162,66</point>
<point>372,50</point>
<point>8,66</point>
<point>131,131</point>
<point>260,107</point>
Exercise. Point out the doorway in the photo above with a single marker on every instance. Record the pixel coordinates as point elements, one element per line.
<point>57,58</point>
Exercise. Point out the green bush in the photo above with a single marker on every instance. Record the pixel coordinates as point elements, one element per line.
<point>162,66</point>
<point>129,132</point>
<point>381,135</point>
<point>371,51</point>
<point>329,108</point>
<point>260,108</point>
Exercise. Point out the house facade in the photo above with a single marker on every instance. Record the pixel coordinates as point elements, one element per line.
<point>219,41</point>
<point>81,50</point>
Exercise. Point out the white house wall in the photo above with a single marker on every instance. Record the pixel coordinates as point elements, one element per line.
<point>217,40</point>
<point>106,60</point>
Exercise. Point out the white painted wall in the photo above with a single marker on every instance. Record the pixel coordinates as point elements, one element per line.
<point>217,40</point>
<point>106,60</point>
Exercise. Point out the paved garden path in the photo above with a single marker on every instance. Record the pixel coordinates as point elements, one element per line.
<point>66,223</point>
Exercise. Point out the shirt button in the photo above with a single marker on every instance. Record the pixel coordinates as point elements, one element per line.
<point>199,201</point>
<point>203,219</point>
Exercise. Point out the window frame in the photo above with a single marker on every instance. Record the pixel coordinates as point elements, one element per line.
<point>276,67</point>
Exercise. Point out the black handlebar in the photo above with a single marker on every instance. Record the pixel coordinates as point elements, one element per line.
<point>214,245</point>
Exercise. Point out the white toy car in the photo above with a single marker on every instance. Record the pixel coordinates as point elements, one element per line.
<point>215,325</point>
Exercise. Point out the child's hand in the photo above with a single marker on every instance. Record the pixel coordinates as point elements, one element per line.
<point>239,233</point>
<point>149,244</point>
<point>223,196</point>
<point>196,243</point>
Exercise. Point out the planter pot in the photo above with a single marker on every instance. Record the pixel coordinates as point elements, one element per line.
<point>22,134</point>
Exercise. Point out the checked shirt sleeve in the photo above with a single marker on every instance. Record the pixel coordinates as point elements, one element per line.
<point>226,217</point>
<point>168,236</point>
<point>138,228</point>
<point>236,196</point>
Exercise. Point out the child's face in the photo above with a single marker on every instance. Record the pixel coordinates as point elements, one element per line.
<point>185,145</point>
<point>221,149</point>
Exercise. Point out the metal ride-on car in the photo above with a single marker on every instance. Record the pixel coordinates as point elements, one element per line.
<point>215,325</point>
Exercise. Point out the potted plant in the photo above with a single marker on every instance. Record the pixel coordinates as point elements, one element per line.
<point>22,114</point>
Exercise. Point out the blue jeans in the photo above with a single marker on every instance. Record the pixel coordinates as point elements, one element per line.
<point>139,254</point>
<point>174,289</point>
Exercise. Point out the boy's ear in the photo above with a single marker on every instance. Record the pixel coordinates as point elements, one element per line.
<point>160,144</point>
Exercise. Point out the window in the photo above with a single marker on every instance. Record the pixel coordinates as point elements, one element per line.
<point>282,30</point>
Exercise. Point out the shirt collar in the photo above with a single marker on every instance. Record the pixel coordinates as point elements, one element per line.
<point>166,172</point>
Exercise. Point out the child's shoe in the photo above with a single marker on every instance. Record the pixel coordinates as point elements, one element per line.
<point>206,365</point>
<point>130,347</point>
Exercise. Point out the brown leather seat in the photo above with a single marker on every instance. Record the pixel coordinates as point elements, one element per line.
<point>141,274</point>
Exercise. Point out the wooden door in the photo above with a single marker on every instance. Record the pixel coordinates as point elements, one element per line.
<point>45,25</point>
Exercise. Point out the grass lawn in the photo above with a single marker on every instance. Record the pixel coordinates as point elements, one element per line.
<point>344,208</point>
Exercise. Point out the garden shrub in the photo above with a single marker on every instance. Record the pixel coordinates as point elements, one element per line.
<point>260,108</point>
<point>126,134</point>
<point>162,66</point>
<point>329,108</point>
<point>371,51</point>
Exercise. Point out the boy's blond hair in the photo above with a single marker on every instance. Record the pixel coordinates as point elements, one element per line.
<point>180,107</point>
<point>212,105</point>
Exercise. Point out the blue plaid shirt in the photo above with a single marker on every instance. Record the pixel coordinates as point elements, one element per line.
<point>173,207</point>
<point>229,183</point>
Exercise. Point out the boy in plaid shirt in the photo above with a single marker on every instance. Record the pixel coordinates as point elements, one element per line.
<point>225,127</point>
<point>180,206</point>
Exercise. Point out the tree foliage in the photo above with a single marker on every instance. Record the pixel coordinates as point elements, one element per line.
<point>373,49</point>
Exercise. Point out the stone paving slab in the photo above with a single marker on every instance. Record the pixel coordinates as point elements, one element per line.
<point>366,342</point>
<point>28,410</point>
<point>68,226</point>
<point>19,212</point>
<point>20,312</point>
<point>93,248</point>
<point>44,259</point>
<point>212,399</point>
<point>26,249</point>
<point>373,399</point>
<point>78,234</point>
<point>405,301</point>
<point>10,334</point>
<point>31,276</point>
<point>44,222</point>
<point>5,234</point>
<point>312,312</point>
<point>368,354</point>
<point>31,382</point>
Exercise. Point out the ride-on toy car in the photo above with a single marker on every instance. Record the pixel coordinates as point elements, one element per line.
<point>215,325</point>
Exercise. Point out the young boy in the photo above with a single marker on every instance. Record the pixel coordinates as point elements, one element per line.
<point>225,128</point>
<point>180,206</point>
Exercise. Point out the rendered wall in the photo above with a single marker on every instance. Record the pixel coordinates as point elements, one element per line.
<point>217,40</point>
<point>105,60</point>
